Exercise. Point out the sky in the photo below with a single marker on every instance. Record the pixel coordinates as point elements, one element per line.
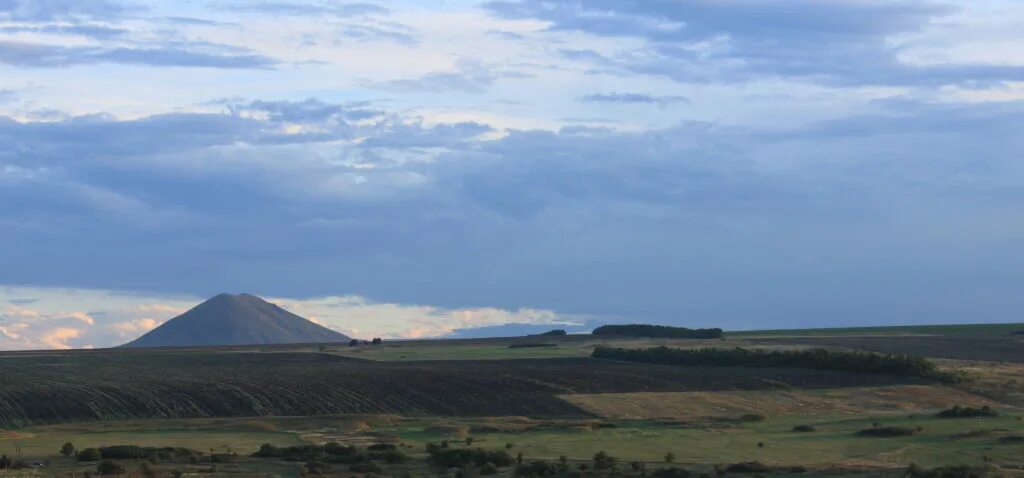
<point>413,169</point>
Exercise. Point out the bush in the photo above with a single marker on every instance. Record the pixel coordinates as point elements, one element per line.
<point>967,412</point>
<point>528,345</point>
<point>748,467</point>
<point>90,454</point>
<point>541,468</point>
<point>804,428</point>
<point>458,457</point>
<point>316,468</point>
<point>109,467</point>
<point>488,469</point>
<point>662,331</point>
<point>752,417</point>
<point>68,449</point>
<point>886,432</point>
<point>604,461</point>
<point>671,472</point>
<point>368,467</point>
<point>821,359</point>
<point>948,471</point>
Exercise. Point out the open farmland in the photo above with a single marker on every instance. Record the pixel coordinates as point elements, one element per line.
<point>125,385</point>
<point>993,349</point>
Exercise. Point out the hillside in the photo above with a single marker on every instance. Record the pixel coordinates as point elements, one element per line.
<point>241,319</point>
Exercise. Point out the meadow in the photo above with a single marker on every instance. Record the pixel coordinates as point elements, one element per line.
<point>551,403</point>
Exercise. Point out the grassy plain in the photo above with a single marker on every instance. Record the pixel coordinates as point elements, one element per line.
<point>417,392</point>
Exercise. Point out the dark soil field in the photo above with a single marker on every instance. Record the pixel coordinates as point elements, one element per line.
<point>959,348</point>
<point>108,385</point>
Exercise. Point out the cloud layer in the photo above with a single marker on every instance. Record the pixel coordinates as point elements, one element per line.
<point>727,163</point>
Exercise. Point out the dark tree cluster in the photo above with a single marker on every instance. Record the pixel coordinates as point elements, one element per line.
<point>444,457</point>
<point>333,452</point>
<point>886,432</point>
<point>821,359</point>
<point>6,462</point>
<point>357,342</point>
<point>660,331</point>
<point>967,412</point>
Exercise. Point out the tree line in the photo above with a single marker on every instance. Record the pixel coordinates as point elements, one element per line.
<point>661,331</point>
<point>821,359</point>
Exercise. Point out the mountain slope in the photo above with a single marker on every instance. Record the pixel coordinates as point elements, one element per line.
<point>242,319</point>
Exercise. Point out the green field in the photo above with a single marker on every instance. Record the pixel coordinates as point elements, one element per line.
<point>960,330</point>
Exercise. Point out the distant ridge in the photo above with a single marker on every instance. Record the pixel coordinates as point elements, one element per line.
<point>242,319</point>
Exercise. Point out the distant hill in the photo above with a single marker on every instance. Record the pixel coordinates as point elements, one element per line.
<point>242,319</point>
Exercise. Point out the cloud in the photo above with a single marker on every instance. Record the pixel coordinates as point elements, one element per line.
<point>48,56</point>
<point>845,42</point>
<point>58,338</point>
<point>59,10</point>
<point>90,31</point>
<point>693,223</point>
<point>390,32</point>
<point>635,98</point>
<point>308,8</point>
<point>468,77</point>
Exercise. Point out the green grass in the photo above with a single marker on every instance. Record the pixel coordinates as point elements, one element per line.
<point>41,442</point>
<point>834,442</point>
<point>961,330</point>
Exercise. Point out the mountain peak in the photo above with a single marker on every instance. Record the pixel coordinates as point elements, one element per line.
<point>236,319</point>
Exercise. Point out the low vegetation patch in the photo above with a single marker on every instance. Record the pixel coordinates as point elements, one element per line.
<point>967,412</point>
<point>886,432</point>
<point>659,331</point>
<point>333,452</point>
<point>552,333</point>
<point>526,345</point>
<point>444,457</point>
<point>748,467</point>
<point>821,359</point>
<point>948,471</point>
<point>804,429</point>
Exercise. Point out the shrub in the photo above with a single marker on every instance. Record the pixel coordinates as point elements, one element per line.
<point>68,449</point>
<point>316,467</point>
<point>797,469</point>
<point>90,454</point>
<point>457,457</point>
<point>670,457</point>
<point>671,472</point>
<point>752,417</point>
<point>664,331</point>
<point>368,467</point>
<point>886,432</point>
<point>488,469</point>
<point>967,412</point>
<point>858,362</point>
<point>804,428</point>
<point>527,345</point>
<point>604,461</point>
<point>748,467</point>
<point>109,467</point>
<point>540,468</point>
<point>553,333</point>
<point>948,471</point>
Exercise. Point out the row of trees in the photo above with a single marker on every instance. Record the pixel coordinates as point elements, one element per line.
<point>661,331</point>
<point>858,362</point>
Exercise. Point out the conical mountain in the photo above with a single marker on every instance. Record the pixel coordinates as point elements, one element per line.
<point>241,319</point>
